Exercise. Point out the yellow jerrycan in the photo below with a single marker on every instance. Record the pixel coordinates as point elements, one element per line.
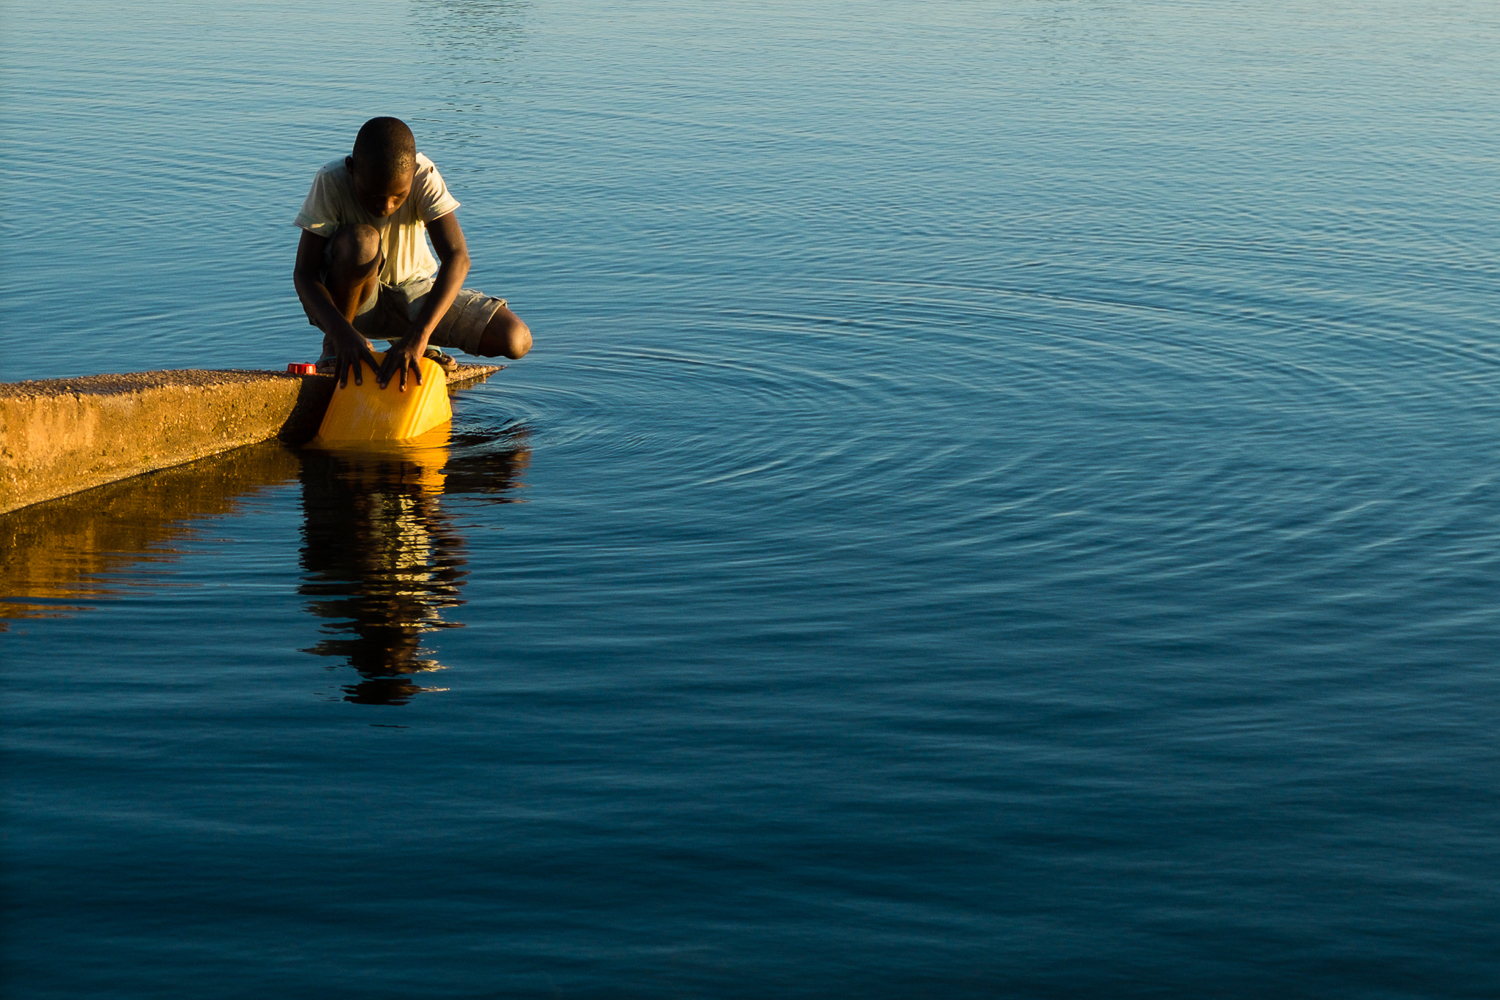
<point>369,413</point>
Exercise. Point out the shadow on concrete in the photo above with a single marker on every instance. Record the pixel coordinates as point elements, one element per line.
<point>301,424</point>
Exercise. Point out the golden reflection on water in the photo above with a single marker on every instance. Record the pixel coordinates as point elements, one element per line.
<point>382,560</point>
<point>61,556</point>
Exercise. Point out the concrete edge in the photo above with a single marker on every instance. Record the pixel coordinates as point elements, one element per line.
<point>64,436</point>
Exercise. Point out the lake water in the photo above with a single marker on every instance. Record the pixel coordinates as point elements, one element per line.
<point>1003,503</point>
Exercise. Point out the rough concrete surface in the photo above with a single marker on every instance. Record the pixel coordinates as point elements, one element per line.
<point>59,436</point>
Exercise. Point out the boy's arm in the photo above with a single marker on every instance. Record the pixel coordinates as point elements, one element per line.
<point>453,255</point>
<point>307,276</point>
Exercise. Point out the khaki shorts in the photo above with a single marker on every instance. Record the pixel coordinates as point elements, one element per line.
<point>388,314</point>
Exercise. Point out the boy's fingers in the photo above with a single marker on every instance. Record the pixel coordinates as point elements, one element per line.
<point>379,370</point>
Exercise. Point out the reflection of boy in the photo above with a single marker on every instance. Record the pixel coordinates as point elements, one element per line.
<point>364,270</point>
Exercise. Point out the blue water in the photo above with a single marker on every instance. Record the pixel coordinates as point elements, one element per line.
<point>1003,503</point>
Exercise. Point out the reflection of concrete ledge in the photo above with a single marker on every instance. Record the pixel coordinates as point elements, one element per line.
<point>59,436</point>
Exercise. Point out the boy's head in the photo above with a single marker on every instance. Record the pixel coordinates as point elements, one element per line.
<point>384,160</point>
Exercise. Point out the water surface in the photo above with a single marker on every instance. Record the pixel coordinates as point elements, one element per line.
<point>1002,504</point>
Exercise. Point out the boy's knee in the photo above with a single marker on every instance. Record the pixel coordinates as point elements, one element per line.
<point>505,336</point>
<point>354,246</point>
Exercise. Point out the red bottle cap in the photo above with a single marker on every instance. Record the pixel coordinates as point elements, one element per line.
<point>301,369</point>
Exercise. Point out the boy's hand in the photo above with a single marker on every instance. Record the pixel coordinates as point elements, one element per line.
<point>401,357</point>
<point>350,356</point>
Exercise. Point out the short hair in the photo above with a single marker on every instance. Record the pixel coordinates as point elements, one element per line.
<point>387,145</point>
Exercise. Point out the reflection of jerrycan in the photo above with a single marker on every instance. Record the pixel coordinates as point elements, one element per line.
<point>415,464</point>
<point>370,413</point>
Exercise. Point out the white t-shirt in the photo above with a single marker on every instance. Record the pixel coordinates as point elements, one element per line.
<point>403,234</point>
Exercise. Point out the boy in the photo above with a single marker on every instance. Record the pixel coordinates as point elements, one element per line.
<point>364,271</point>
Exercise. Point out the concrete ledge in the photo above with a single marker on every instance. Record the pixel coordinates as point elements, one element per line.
<point>59,436</point>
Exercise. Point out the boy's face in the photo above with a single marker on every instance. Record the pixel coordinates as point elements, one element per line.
<point>379,193</point>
